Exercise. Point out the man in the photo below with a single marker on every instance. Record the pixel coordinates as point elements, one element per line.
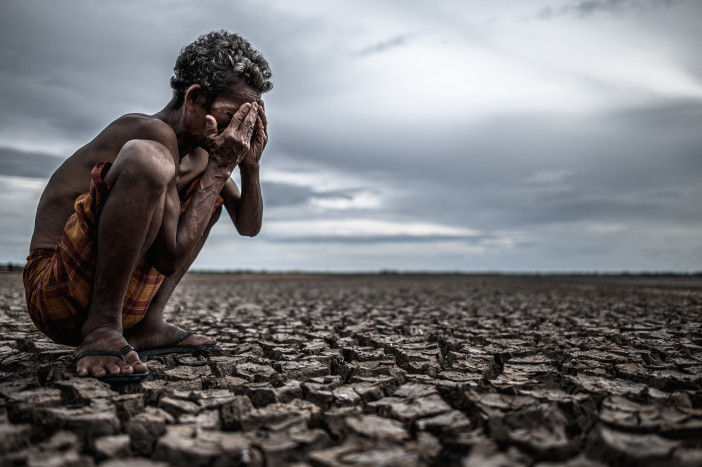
<point>122,220</point>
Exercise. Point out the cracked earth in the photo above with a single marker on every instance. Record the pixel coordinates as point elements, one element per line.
<point>391,370</point>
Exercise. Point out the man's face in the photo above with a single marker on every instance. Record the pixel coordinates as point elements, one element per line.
<point>226,105</point>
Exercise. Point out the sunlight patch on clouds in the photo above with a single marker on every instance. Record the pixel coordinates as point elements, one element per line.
<point>599,59</point>
<point>362,200</point>
<point>317,180</point>
<point>362,228</point>
<point>259,254</point>
<point>10,183</point>
<point>24,139</point>
<point>516,66</point>
<point>327,184</point>
<point>457,78</point>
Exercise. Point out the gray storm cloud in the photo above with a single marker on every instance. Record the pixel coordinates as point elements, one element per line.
<point>417,136</point>
<point>586,8</point>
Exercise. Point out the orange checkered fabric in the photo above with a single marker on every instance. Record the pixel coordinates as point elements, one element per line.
<point>58,283</point>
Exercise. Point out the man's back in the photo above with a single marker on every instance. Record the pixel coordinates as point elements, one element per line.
<point>72,178</point>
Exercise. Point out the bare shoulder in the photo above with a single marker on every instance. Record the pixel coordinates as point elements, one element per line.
<point>148,125</point>
<point>73,176</point>
<point>134,126</point>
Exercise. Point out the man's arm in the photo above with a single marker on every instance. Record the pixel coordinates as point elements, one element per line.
<point>179,233</point>
<point>246,207</point>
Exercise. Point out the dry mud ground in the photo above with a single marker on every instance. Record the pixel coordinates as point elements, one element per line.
<point>378,370</point>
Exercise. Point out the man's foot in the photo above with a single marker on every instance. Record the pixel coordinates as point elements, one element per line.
<point>147,336</point>
<point>99,366</point>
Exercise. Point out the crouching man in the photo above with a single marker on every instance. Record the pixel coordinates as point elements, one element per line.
<point>122,220</point>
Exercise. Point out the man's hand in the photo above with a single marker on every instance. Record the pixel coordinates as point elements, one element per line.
<point>228,148</point>
<point>258,141</point>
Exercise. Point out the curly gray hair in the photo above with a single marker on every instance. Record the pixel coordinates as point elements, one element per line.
<point>216,61</point>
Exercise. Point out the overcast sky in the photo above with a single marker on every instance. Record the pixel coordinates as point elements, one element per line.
<point>477,135</point>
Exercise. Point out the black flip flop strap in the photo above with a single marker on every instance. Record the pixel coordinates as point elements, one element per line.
<point>177,340</point>
<point>126,349</point>
<point>91,353</point>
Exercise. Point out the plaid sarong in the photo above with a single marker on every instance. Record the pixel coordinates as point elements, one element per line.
<point>58,283</point>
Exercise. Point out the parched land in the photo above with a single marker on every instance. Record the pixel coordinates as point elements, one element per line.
<point>393,370</point>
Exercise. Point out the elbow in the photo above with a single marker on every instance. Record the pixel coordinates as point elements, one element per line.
<point>249,232</point>
<point>248,228</point>
<point>166,259</point>
<point>167,271</point>
<point>167,267</point>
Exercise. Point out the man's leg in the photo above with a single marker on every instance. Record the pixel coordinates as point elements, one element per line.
<point>129,222</point>
<point>153,330</point>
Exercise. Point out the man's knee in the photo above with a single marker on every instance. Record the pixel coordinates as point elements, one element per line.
<point>145,163</point>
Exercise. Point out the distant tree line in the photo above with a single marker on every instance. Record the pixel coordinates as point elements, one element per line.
<point>11,267</point>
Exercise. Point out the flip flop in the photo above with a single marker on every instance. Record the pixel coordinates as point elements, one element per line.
<point>172,346</point>
<point>119,378</point>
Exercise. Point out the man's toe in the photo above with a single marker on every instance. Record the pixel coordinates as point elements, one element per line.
<point>98,371</point>
<point>133,360</point>
<point>113,368</point>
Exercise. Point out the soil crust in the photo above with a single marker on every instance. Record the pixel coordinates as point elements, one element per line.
<point>336,370</point>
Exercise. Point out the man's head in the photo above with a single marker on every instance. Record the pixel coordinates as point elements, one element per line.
<point>216,61</point>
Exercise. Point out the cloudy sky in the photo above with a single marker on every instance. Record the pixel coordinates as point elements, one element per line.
<point>477,135</point>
